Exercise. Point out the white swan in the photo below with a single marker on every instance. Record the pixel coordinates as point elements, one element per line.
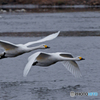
<point>13,50</point>
<point>46,59</point>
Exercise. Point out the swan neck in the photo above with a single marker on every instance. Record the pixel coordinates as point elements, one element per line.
<point>68,59</point>
<point>34,48</point>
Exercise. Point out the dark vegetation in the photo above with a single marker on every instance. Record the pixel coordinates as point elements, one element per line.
<point>52,2</point>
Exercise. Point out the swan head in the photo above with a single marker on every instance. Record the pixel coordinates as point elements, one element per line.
<point>80,58</point>
<point>43,46</point>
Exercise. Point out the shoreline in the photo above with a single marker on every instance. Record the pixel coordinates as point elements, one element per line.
<point>47,10</point>
<point>38,34</point>
<point>29,8</point>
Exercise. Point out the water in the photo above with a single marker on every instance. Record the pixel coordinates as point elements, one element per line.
<point>53,82</point>
<point>41,22</point>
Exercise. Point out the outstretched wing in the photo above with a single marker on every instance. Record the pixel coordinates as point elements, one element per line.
<point>28,66</point>
<point>72,67</point>
<point>47,38</point>
<point>7,45</point>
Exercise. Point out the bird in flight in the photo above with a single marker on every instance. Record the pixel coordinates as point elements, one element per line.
<point>13,50</point>
<point>46,59</point>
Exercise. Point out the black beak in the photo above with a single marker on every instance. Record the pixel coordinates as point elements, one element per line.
<point>82,59</point>
<point>47,47</point>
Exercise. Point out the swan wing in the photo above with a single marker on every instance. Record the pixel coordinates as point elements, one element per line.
<point>28,66</point>
<point>72,67</point>
<point>47,38</point>
<point>7,45</point>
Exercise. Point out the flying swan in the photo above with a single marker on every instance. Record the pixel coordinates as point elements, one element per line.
<point>46,59</point>
<point>13,50</point>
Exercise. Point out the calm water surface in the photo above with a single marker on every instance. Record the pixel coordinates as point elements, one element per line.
<point>40,22</point>
<point>53,82</point>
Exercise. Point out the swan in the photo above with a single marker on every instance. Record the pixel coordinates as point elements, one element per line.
<point>46,59</point>
<point>13,50</point>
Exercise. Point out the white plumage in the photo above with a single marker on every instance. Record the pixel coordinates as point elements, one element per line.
<point>13,50</point>
<point>46,59</point>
